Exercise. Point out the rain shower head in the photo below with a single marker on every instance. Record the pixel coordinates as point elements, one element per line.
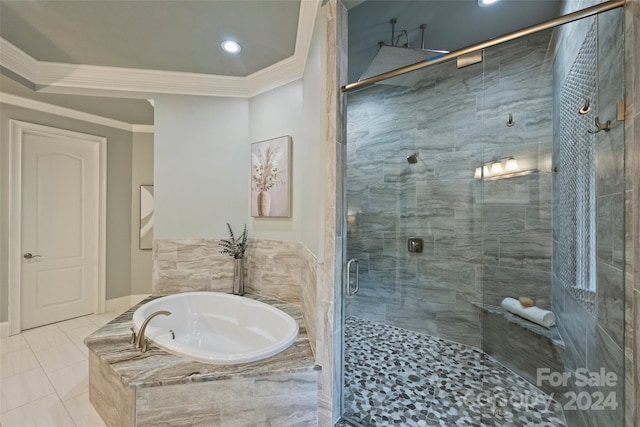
<point>394,55</point>
<point>412,159</point>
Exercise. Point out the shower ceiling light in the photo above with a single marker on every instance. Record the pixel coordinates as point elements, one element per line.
<point>485,3</point>
<point>231,46</point>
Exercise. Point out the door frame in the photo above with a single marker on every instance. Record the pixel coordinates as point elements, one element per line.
<point>17,130</point>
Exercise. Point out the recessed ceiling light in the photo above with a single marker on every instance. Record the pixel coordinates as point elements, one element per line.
<point>485,3</point>
<point>231,46</point>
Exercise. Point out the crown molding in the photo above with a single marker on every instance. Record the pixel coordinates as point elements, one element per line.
<point>54,77</point>
<point>142,128</point>
<point>18,101</point>
<point>16,60</point>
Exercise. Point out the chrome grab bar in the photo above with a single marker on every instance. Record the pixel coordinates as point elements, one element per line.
<point>357,281</point>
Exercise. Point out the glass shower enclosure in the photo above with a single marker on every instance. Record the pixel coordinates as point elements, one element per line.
<point>502,179</point>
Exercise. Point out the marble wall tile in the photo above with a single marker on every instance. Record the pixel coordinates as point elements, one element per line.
<point>632,222</point>
<point>284,410</point>
<point>329,286</point>
<point>501,282</point>
<point>578,324</point>
<point>610,301</point>
<point>527,250</point>
<point>629,394</point>
<point>636,349</point>
<point>463,328</point>
<point>608,356</point>
<point>272,267</point>
<point>281,399</point>
<point>207,415</point>
<point>538,218</point>
<point>109,396</point>
<point>503,219</point>
<point>309,294</point>
<point>183,265</point>
<point>629,310</point>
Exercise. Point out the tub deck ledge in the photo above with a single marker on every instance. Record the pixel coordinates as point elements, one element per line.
<point>158,367</point>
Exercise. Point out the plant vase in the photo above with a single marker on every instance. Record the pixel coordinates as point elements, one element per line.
<point>264,203</point>
<point>238,276</point>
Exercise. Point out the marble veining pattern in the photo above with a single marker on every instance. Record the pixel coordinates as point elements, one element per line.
<point>272,267</point>
<point>397,377</point>
<point>157,367</point>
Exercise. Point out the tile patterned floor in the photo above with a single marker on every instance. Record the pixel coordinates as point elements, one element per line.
<point>398,377</point>
<point>44,375</point>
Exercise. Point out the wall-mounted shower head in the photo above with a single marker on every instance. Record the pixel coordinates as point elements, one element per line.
<point>413,158</point>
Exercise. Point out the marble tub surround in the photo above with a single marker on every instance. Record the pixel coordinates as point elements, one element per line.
<point>273,267</point>
<point>183,265</point>
<point>280,390</point>
<point>284,270</point>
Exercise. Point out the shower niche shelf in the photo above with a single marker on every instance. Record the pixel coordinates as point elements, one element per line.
<point>551,334</point>
<point>521,345</point>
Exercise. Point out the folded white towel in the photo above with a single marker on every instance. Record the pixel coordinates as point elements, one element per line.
<point>537,315</point>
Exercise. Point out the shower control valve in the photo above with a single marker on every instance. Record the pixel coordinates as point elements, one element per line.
<point>415,244</point>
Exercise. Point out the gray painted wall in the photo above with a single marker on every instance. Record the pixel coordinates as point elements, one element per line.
<point>594,338</point>
<point>141,174</point>
<point>119,154</point>
<point>493,236</point>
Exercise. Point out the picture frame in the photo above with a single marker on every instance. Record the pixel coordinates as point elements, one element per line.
<point>147,209</point>
<point>271,178</point>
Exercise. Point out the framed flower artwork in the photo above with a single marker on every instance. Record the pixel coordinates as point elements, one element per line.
<point>271,178</point>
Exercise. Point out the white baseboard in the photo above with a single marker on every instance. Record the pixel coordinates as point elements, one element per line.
<point>124,303</point>
<point>4,329</point>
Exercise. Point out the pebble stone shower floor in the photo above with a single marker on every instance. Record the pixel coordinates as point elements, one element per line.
<point>395,377</point>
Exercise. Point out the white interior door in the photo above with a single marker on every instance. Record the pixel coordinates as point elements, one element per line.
<point>59,227</point>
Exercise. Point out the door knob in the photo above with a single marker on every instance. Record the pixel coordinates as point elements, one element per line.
<point>29,255</point>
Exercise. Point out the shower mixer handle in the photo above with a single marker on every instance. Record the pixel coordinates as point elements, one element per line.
<point>357,281</point>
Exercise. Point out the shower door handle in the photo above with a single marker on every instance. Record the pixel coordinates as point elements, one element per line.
<point>357,281</point>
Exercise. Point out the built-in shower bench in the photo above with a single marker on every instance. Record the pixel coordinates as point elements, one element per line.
<point>130,388</point>
<point>521,345</point>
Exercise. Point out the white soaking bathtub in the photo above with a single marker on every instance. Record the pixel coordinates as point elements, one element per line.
<point>218,328</point>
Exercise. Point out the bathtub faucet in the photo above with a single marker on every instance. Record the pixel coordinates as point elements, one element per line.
<point>139,341</point>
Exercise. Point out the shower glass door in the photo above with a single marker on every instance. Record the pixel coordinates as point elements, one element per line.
<point>554,223</point>
<point>414,223</point>
<point>495,172</point>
